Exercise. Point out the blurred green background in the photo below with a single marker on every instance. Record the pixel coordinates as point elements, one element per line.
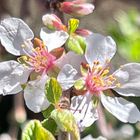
<point>118,18</point>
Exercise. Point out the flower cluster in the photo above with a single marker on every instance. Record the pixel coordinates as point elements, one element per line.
<point>67,58</point>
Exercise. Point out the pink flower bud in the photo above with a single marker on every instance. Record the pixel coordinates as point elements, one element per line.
<point>83,32</point>
<point>53,22</point>
<point>76,8</point>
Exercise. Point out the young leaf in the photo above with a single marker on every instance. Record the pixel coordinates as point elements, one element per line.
<point>81,41</point>
<point>35,131</point>
<point>73,25</point>
<point>66,122</point>
<point>53,91</point>
<point>50,125</point>
<point>76,44</point>
<point>46,113</point>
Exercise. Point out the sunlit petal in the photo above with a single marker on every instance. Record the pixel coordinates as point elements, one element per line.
<point>53,39</point>
<point>122,109</point>
<point>13,33</point>
<point>83,110</point>
<point>129,78</point>
<point>12,75</point>
<point>99,47</point>
<point>67,77</point>
<point>34,95</point>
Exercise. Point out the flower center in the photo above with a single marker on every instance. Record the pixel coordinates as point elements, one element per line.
<point>38,59</point>
<point>98,78</point>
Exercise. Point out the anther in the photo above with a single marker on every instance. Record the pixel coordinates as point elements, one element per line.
<point>96,62</point>
<point>105,72</point>
<point>118,85</point>
<point>23,46</point>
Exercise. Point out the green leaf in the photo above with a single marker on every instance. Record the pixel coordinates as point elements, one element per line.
<point>53,91</point>
<point>50,125</point>
<point>79,84</point>
<point>76,44</point>
<point>46,113</point>
<point>81,41</point>
<point>66,122</point>
<point>35,131</point>
<point>73,25</point>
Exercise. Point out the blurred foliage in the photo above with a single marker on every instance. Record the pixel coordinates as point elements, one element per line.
<point>126,33</point>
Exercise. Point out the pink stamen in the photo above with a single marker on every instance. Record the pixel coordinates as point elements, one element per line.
<point>98,79</point>
<point>40,60</point>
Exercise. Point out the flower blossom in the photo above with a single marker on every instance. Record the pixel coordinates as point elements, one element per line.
<point>76,8</point>
<point>96,79</point>
<point>35,62</point>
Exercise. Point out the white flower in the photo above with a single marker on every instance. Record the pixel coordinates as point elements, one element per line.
<point>81,105</point>
<point>125,81</point>
<point>16,36</point>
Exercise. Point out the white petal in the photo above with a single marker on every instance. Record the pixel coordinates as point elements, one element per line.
<point>67,77</point>
<point>99,48</point>
<point>34,95</point>
<point>28,48</point>
<point>53,39</point>
<point>12,75</point>
<point>71,58</point>
<point>122,109</point>
<point>83,110</point>
<point>13,33</point>
<point>129,77</point>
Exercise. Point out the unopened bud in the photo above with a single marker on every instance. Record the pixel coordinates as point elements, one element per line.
<point>75,8</point>
<point>52,22</point>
